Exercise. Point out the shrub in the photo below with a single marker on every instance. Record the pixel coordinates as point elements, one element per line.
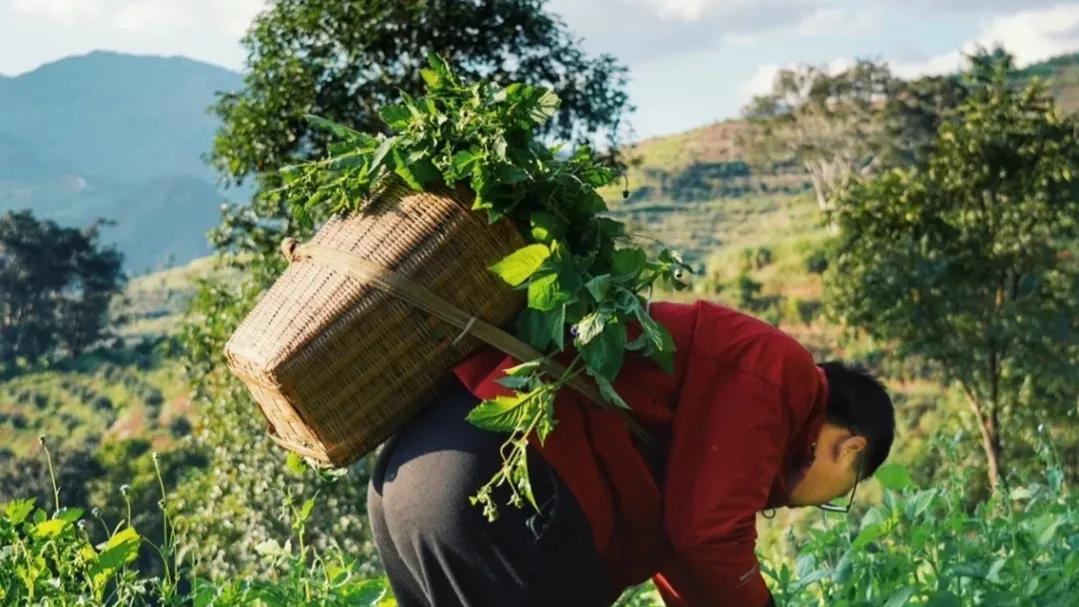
<point>54,560</point>
<point>928,546</point>
<point>817,261</point>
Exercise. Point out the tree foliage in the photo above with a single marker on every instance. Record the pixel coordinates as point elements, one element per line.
<point>830,123</point>
<point>971,262</point>
<point>342,61</point>
<point>855,122</point>
<point>55,287</point>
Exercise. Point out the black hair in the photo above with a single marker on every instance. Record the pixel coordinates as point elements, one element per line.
<point>858,401</point>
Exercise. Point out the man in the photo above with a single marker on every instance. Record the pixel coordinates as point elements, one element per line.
<point>747,422</point>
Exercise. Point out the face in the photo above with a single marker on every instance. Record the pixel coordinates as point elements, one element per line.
<point>834,469</point>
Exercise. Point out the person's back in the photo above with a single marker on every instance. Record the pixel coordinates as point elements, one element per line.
<point>733,430</point>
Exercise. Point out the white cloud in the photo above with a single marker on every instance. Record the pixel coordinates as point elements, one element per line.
<point>145,16</point>
<point>761,81</point>
<point>1030,35</point>
<point>1035,34</point>
<point>64,12</point>
<point>693,10</point>
<point>155,15</point>
<point>821,23</point>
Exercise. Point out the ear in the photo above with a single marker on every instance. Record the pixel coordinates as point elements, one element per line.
<point>852,446</point>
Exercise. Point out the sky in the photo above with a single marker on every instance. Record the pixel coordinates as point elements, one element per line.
<point>691,62</point>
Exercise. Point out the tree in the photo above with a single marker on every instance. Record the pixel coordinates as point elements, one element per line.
<point>852,123</point>
<point>971,262</point>
<point>830,123</point>
<point>55,286</point>
<point>341,60</point>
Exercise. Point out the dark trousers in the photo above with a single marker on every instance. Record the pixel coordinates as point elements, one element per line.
<point>437,548</point>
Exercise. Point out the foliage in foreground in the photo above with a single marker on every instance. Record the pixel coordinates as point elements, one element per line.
<point>49,557</point>
<point>920,546</point>
<point>928,546</point>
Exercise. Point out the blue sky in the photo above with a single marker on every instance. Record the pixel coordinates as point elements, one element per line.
<point>691,61</point>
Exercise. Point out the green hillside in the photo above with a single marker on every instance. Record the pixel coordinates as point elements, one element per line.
<point>125,389</point>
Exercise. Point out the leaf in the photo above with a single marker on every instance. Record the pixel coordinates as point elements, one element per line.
<point>70,515</point>
<point>920,502</point>
<point>404,172</point>
<point>993,575</point>
<point>604,353</point>
<point>894,477</point>
<point>545,107</point>
<point>18,510</point>
<point>900,597</point>
<point>50,528</point>
<point>665,360</point>
<point>599,286</point>
<point>380,154</point>
<point>431,77</point>
<point>514,382</point>
<point>396,116</point>
<point>295,463</point>
<point>608,392</point>
<point>516,267</point>
<point>628,262</point>
<point>868,535</point>
<point>305,510</point>
<point>591,326</point>
<point>336,128</point>
<point>546,293</point>
<point>545,226</point>
<point>119,550</point>
<point>365,593</point>
<point>269,548</point>
<point>556,325</point>
<point>502,413</point>
<point>439,65</point>
<point>523,369</point>
<point>943,598</point>
<point>532,326</point>
<point>463,162</point>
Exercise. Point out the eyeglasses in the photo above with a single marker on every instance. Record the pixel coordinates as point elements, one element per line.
<point>845,509</point>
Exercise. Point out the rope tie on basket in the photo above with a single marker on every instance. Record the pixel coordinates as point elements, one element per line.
<point>468,327</point>
<point>288,248</point>
<point>419,296</point>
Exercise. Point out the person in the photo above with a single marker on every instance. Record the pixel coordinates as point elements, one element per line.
<point>747,422</point>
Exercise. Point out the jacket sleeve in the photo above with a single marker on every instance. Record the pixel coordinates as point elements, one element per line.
<point>729,434</point>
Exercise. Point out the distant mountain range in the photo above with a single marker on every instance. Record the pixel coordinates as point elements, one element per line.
<point>120,137</point>
<point>123,137</point>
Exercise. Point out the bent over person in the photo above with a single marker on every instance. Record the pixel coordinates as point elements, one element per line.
<point>747,422</point>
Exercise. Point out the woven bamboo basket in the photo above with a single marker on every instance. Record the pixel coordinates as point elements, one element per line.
<point>370,315</point>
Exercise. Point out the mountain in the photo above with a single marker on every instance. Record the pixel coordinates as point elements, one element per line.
<point>121,137</point>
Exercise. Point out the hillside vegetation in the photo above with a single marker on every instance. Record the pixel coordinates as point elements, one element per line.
<point>924,532</point>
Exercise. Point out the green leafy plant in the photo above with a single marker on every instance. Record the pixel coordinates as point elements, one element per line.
<point>580,270</point>
<point>930,546</point>
<point>48,557</point>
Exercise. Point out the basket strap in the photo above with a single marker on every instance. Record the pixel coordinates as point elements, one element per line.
<point>423,298</point>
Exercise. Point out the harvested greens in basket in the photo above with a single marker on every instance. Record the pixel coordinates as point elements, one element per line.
<point>580,269</point>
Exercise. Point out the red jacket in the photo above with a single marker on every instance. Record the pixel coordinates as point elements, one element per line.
<point>737,420</point>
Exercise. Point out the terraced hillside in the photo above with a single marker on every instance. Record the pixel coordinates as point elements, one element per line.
<point>127,388</point>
